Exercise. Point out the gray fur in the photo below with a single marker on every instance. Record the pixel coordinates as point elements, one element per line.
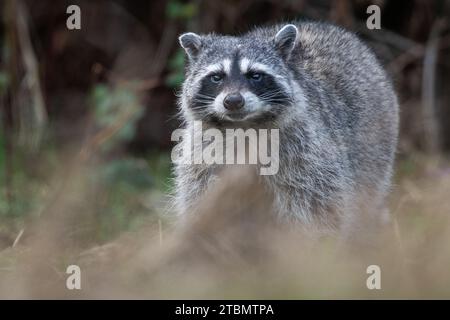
<point>337,139</point>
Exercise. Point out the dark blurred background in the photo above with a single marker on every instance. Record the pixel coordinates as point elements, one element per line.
<point>106,93</point>
<point>137,41</point>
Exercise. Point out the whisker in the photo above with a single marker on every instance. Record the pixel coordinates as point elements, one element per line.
<point>205,96</point>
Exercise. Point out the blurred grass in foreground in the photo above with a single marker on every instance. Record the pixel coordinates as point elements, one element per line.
<point>109,218</point>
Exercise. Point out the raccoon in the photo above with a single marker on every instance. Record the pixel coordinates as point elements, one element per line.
<point>334,106</point>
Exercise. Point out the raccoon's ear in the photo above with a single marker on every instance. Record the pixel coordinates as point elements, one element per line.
<point>191,43</point>
<point>285,40</point>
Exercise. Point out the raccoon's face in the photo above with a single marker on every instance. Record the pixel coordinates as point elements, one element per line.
<point>238,79</point>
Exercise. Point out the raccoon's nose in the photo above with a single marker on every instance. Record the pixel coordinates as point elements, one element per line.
<point>233,101</point>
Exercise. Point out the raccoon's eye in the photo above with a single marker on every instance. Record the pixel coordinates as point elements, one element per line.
<point>255,76</point>
<point>216,78</point>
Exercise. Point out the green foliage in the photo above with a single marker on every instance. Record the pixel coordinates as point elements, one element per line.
<point>116,108</point>
<point>127,189</point>
<point>128,174</point>
<point>177,10</point>
<point>160,166</point>
<point>186,12</point>
<point>120,185</point>
<point>113,196</point>
<point>2,155</point>
<point>4,82</point>
<point>26,190</point>
<point>176,69</point>
<point>109,198</point>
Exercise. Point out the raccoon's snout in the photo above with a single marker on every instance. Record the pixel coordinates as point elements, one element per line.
<point>233,101</point>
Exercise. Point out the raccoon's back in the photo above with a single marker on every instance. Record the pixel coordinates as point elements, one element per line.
<point>355,96</point>
<point>344,83</point>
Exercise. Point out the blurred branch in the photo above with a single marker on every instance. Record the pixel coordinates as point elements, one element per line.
<point>413,54</point>
<point>26,91</point>
<point>391,38</point>
<point>164,47</point>
<point>405,58</point>
<point>141,85</point>
<point>134,85</point>
<point>8,151</point>
<point>430,125</point>
<point>7,109</point>
<point>19,236</point>
<point>341,13</point>
<point>104,135</point>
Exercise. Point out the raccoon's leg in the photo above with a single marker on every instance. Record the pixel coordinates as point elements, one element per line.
<point>191,183</point>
